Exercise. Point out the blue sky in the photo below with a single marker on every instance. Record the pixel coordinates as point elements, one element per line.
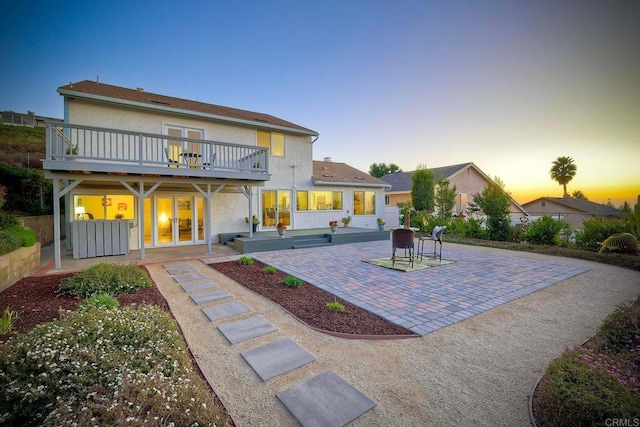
<point>508,85</point>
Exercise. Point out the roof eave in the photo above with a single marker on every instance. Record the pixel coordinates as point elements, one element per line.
<point>349,184</point>
<point>101,98</point>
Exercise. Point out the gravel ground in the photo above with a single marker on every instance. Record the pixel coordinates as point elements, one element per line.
<point>476,372</point>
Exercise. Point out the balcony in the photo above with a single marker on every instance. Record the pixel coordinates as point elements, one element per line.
<point>86,149</point>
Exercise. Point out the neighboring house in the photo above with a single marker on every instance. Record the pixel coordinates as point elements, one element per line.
<point>467,178</point>
<point>181,172</point>
<point>574,211</point>
<point>30,120</point>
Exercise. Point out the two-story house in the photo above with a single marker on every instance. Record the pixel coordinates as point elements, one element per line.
<point>181,172</point>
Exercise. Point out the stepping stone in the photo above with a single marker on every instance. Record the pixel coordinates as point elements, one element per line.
<point>325,400</point>
<point>188,277</point>
<point>212,260</point>
<point>220,311</point>
<point>179,270</point>
<point>245,329</point>
<point>210,297</point>
<point>175,264</point>
<point>198,286</point>
<point>278,357</point>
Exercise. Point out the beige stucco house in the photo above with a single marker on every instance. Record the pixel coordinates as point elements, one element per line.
<point>467,178</point>
<point>179,172</point>
<point>574,211</point>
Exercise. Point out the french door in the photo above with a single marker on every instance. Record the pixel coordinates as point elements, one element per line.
<point>276,207</point>
<point>178,220</point>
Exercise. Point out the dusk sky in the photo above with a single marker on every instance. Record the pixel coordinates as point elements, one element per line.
<point>509,85</point>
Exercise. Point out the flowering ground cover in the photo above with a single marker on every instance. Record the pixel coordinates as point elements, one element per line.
<point>597,381</point>
<point>96,366</point>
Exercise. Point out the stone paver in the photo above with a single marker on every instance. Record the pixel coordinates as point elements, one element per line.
<point>210,296</point>
<point>188,277</point>
<point>426,300</point>
<point>325,400</point>
<point>228,309</point>
<point>176,264</point>
<point>245,329</point>
<point>181,269</point>
<point>276,358</point>
<point>198,286</point>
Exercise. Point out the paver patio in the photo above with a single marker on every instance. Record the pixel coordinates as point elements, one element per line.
<point>425,300</point>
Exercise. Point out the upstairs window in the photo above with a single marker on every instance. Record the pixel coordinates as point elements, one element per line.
<point>273,141</point>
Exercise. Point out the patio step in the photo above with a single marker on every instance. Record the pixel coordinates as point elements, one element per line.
<point>311,242</point>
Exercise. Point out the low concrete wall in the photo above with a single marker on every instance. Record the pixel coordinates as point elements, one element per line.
<point>18,264</point>
<point>43,227</point>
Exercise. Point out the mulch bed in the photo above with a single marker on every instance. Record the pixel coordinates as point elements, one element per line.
<point>307,302</point>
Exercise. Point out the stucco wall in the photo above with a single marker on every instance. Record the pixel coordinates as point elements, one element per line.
<point>18,264</point>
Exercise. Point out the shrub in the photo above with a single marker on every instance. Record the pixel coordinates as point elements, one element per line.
<point>9,242</point>
<point>7,220</point>
<point>102,367</point>
<point>26,235</point>
<point>292,282</point>
<point>246,260</point>
<point>595,231</point>
<point>105,278</point>
<point>100,300</point>
<point>544,231</point>
<point>620,331</point>
<point>335,306</point>
<point>269,269</point>
<point>7,320</point>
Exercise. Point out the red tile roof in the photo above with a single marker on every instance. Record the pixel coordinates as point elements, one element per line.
<point>341,174</point>
<point>156,101</point>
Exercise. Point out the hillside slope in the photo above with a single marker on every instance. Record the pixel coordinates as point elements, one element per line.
<point>22,146</point>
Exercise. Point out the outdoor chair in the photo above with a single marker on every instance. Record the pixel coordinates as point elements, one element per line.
<point>210,164</point>
<point>402,238</point>
<point>436,237</point>
<point>172,163</point>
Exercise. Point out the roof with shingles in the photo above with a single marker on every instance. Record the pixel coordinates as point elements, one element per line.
<point>402,181</point>
<point>582,205</point>
<point>90,89</point>
<point>336,173</point>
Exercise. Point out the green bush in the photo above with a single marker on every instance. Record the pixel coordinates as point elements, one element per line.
<point>100,300</point>
<point>544,231</point>
<point>269,269</point>
<point>102,367</point>
<point>105,278</point>
<point>246,260</point>
<point>292,282</point>
<point>26,235</point>
<point>595,231</point>
<point>9,242</point>
<point>7,220</point>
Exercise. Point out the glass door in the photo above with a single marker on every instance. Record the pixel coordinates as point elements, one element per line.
<point>276,207</point>
<point>175,220</point>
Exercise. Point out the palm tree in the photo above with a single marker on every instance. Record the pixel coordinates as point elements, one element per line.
<point>563,171</point>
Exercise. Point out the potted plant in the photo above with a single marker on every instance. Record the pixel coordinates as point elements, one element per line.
<point>380,224</point>
<point>281,228</point>
<point>346,221</point>
<point>254,222</point>
<point>71,148</point>
<point>333,225</point>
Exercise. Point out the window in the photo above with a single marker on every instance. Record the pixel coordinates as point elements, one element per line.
<point>364,203</point>
<point>273,141</point>
<point>108,206</point>
<point>387,200</point>
<point>318,200</point>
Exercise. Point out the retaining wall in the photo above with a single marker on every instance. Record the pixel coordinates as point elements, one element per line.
<point>18,264</point>
<point>42,225</point>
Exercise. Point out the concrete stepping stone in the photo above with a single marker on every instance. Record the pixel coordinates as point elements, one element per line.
<point>188,277</point>
<point>220,311</point>
<point>175,264</point>
<point>325,400</point>
<point>198,286</point>
<point>276,358</point>
<point>179,270</point>
<point>245,329</point>
<point>210,297</point>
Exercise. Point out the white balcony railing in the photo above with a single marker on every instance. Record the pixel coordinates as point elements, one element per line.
<point>114,149</point>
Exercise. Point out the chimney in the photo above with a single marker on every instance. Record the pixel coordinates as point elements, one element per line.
<point>140,89</point>
<point>327,159</point>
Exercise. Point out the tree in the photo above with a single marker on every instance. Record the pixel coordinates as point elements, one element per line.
<point>380,169</point>
<point>563,171</point>
<point>494,202</point>
<point>422,189</point>
<point>579,195</point>
<point>445,197</point>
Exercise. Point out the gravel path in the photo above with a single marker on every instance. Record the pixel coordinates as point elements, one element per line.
<point>476,372</point>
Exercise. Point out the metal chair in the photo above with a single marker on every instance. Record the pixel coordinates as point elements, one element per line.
<point>172,163</point>
<point>436,237</point>
<point>209,165</point>
<point>402,238</point>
